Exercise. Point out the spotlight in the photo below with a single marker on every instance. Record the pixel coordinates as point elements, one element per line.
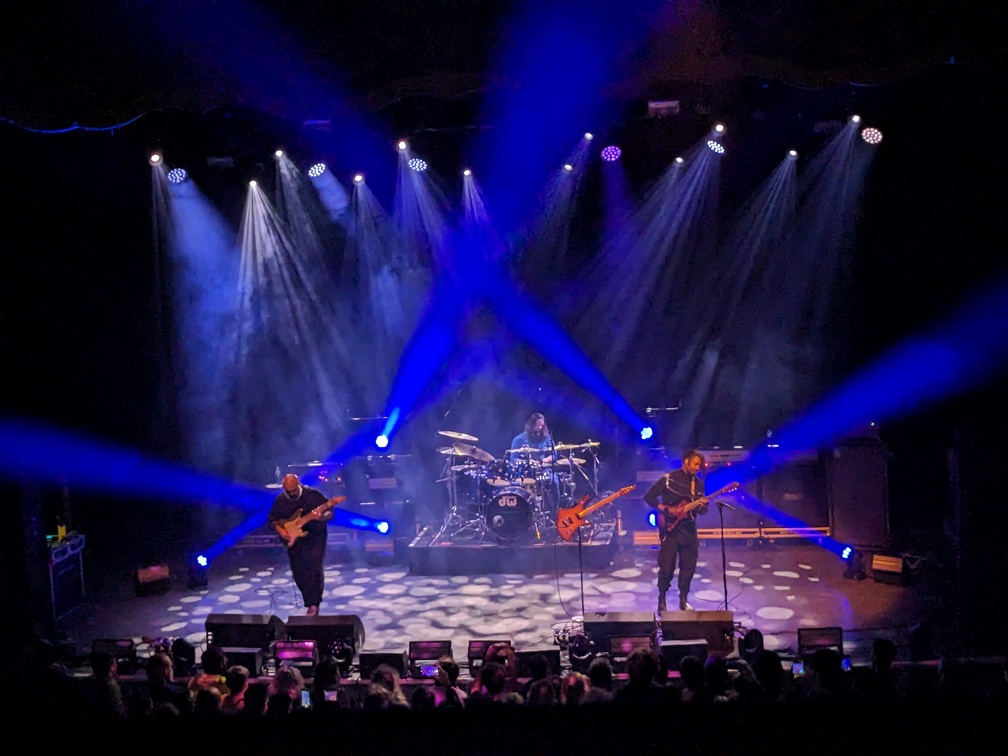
<point>679,161</point>
<point>316,170</point>
<point>358,177</point>
<point>155,159</point>
<point>715,147</point>
<point>871,135</point>
<point>855,118</point>
<point>417,165</point>
<point>197,573</point>
<point>279,153</point>
<point>252,184</point>
<point>402,145</point>
<point>202,561</point>
<point>611,153</point>
<point>589,136</point>
<point>792,153</point>
<point>382,441</point>
<point>177,175</point>
<point>719,128</point>
<point>652,519</point>
<point>646,433</point>
<point>382,527</point>
<point>467,172</point>
<point>568,167</point>
<point>854,570</point>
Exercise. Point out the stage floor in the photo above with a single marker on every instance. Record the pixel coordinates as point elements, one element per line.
<point>776,589</point>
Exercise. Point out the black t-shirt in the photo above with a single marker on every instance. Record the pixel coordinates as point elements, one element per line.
<point>672,488</point>
<point>284,508</point>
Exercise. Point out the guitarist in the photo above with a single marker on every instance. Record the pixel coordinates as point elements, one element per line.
<point>307,553</point>
<point>679,542</point>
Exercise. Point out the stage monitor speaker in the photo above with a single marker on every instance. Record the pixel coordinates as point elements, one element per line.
<point>526,661</point>
<point>153,580</point>
<point>328,631</point>
<point>66,575</point>
<point>122,650</point>
<point>715,627</point>
<point>675,651</point>
<point>244,630</point>
<point>249,657</point>
<point>478,648</point>
<point>601,626</point>
<point>890,570</point>
<point>811,639</point>
<point>370,661</point>
<point>858,494</point>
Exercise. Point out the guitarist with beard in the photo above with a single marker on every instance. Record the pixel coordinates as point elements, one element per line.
<point>306,553</point>
<point>678,540</point>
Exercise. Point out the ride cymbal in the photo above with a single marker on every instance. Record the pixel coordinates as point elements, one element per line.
<point>457,435</point>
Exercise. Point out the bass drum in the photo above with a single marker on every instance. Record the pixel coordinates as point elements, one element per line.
<point>510,514</point>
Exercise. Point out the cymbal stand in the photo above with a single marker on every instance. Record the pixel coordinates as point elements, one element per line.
<point>454,522</point>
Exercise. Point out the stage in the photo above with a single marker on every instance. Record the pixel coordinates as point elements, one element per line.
<point>399,597</point>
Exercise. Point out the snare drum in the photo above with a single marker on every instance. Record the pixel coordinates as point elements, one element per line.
<point>510,514</point>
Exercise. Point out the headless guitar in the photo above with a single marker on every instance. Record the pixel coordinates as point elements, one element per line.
<point>672,516</point>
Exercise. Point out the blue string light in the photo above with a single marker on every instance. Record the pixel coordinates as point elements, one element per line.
<point>75,127</point>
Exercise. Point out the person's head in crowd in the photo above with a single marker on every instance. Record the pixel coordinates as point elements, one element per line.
<point>538,666</point>
<point>278,704</point>
<point>386,676</point>
<point>451,669</point>
<point>104,665</point>
<point>214,661</point>
<point>207,702</point>
<point>600,673</point>
<point>422,699</point>
<point>289,681</point>
<point>716,676</point>
<point>769,671</point>
<point>642,666</point>
<point>237,678</point>
<point>160,669</point>
<point>574,689</point>
<point>883,655</point>
<point>691,672</point>
<point>256,696</point>
<point>543,692</point>
<point>493,678</point>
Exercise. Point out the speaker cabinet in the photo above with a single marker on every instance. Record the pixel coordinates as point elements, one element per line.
<point>717,628</point>
<point>526,660</point>
<point>859,494</point>
<point>244,630</point>
<point>369,661</point>
<point>328,631</point>
<point>66,576</point>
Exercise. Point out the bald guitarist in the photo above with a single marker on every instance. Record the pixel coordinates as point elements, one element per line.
<point>299,516</point>
<point>677,536</point>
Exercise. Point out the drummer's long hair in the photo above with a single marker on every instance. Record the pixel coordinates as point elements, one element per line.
<point>535,416</point>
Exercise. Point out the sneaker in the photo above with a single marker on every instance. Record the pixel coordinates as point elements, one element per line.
<point>684,605</point>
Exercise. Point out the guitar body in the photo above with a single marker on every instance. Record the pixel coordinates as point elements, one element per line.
<point>292,529</point>
<point>569,519</point>
<point>672,516</point>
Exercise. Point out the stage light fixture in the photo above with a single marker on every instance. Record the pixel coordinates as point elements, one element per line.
<point>253,184</point>
<point>568,167</point>
<point>611,153</point>
<point>871,135</point>
<point>197,573</point>
<point>382,527</point>
<point>715,147</point>
<point>652,519</point>
<point>467,172</point>
<point>418,165</point>
<point>177,175</point>
<point>382,441</point>
<point>719,128</point>
<point>854,570</point>
<point>316,170</point>
<point>679,161</point>
<point>279,153</point>
<point>792,153</point>
<point>402,145</point>
<point>646,433</point>
<point>855,118</point>
<point>589,136</point>
<point>358,177</point>
<point>155,158</point>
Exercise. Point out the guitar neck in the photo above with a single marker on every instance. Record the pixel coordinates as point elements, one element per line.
<point>600,503</point>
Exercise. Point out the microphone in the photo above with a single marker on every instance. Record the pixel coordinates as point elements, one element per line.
<point>725,505</point>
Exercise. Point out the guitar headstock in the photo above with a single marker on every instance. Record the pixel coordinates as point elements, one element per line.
<point>627,489</point>
<point>730,487</point>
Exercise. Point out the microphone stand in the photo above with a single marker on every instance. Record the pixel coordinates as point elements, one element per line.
<point>724,559</point>
<point>580,527</point>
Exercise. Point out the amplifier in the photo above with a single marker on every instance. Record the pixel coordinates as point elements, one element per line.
<point>66,575</point>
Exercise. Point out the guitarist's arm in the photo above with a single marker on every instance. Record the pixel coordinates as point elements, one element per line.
<point>653,495</point>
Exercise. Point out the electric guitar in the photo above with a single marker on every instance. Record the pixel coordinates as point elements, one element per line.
<point>569,519</point>
<point>292,529</point>
<point>671,516</point>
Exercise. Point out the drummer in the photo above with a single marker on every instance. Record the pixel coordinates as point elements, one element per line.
<point>538,443</point>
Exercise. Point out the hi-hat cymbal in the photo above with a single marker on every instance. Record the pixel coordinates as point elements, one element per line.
<point>524,450</point>
<point>589,444</point>
<point>463,468</point>
<point>566,447</point>
<point>457,436</point>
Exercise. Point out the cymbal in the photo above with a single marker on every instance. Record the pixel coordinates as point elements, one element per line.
<point>314,463</point>
<point>456,450</point>
<point>566,447</point>
<point>457,436</point>
<point>483,456</point>
<point>462,468</point>
<point>564,462</point>
<point>589,444</point>
<point>524,450</point>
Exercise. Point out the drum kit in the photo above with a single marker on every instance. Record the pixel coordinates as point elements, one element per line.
<point>510,499</point>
